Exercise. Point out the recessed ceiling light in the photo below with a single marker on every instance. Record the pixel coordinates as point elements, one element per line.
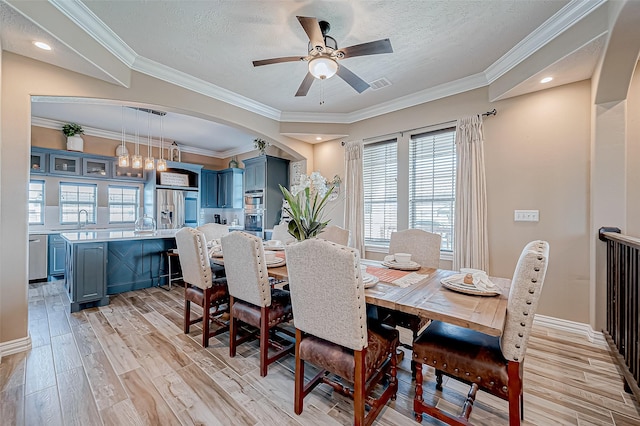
<point>546,80</point>
<point>41,45</point>
<point>318,138</point>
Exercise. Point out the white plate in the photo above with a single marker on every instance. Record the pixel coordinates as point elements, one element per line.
<point>278,262</point>
<point>369,282</point>
<point>411,266</point>
<point>275,248</point>
<point>452,284</point>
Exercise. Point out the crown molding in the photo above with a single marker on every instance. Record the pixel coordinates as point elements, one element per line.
<point>83,17</point>
<point>441,91</point>
<point>107,134</point>
<point>564,19</point>
<point>179,78</point>
<point>571,13</point>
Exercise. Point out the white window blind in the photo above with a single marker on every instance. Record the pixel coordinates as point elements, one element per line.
<point>432,183</point>
<point>36,202</point>
<point>123,204</point>
<point>380,169</point>
<point>74,198</point>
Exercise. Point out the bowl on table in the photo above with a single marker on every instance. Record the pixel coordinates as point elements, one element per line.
<point>270,256</point>
<point>402,257</point>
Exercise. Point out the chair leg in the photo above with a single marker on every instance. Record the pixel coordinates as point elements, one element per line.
<point>205,317</point>
<point>359,387</point>
<point>298,402</point>
<point>418,395</point>
<point>232,329</point>
<point>515,392</point>
<point>393,381</point>
<point>264,340</point>
<point>187,315</point>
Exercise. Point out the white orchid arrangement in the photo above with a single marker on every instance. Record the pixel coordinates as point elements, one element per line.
<point>307,201</point>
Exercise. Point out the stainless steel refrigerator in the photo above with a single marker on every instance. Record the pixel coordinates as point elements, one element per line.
<point>176,208</point>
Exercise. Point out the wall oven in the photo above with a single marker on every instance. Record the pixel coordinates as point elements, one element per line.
<point>254,212</point>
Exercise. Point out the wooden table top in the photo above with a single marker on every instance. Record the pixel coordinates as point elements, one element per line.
<point>429,299</point>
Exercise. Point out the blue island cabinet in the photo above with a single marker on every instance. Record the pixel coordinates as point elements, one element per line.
<point>86,275</point>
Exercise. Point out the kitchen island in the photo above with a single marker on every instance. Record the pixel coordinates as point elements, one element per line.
<point>100,263</point>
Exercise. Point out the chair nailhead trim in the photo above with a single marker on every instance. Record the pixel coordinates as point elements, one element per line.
<point>491,383</point>
<point>505,389</point>
<point>520,334</point>
<point>533,280</point>
<point>518,345</point>
<point>444,365</point>
<point>467,374</point>
<point>525,313</point>
<point>523,324</point>
<point>531,291</point>
<point>528,302</point>
<point>456,370</point>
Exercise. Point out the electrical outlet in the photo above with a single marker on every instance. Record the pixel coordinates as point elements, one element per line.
<point>526,215</point>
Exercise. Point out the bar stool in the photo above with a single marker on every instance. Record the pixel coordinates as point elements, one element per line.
<point>172,253</point>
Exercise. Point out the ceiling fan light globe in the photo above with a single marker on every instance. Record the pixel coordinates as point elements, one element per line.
<point>323,67</point>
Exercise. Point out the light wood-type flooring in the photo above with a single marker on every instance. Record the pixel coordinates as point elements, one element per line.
<point>129,363</point>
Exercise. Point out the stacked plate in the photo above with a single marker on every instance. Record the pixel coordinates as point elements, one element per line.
<point>456,283</point>
<point>276,247</point>
<point>276,263</point>
<point>390,262</point>
<point>369,280</point>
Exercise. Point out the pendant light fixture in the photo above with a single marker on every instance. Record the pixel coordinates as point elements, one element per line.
<point>136,159</point>
<point>162,163</point>
<point>123,157</point>
<point>149,161</point>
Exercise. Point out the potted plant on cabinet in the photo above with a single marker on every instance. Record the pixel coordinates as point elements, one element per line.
<point>261,145</point>
<point>73,131</point>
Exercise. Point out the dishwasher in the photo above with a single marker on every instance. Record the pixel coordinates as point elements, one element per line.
<point>38,257</point>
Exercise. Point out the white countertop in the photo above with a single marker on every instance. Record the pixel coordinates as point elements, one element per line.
<point>115,235</point>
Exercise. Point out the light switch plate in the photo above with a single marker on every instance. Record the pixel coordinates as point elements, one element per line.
<point>526,215</point>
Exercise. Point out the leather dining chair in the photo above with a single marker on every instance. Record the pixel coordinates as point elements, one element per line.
<point>335,234</point>
<point>200,285</point>
<point>252,300</point>
<point>213,231</point>
<point>424,248</point>
<point>487,363</point>
<point>332,332</point>
<point>281,233</point>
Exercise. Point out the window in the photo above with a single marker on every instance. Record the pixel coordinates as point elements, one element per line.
<point>380,165</point>
<point>409,182</point>
<point>432,184</point>
<point>76,198</point>
<point>123,204</point>
<point>36,202</point>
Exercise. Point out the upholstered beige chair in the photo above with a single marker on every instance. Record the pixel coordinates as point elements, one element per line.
<point>200,286</point>
<point>423,246</point>
<point>488,363</point>
<point>335,234</point>
<point>281,232</point>
<point>332,333</point>
<point>213,231</point>
<point>252,300</point>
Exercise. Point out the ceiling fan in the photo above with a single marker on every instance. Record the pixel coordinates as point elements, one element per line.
<point>324,55</point>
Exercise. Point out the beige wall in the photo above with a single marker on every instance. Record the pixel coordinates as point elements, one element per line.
<point>23,78</point>
<point>537,157</point>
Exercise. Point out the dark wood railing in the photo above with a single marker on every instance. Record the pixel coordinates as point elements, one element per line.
<point>623,297</point>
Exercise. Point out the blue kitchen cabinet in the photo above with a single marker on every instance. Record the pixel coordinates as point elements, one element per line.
<point>86,275</point>
<point>209,189</point>
<point>57,253</point>
<point>230,188</point>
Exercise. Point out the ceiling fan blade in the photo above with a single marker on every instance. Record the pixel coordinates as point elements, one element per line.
<point>306,85</point>
<point>370,48</point>
<point>353,80</point>
<point>278,60</point>
<point>312,28</point>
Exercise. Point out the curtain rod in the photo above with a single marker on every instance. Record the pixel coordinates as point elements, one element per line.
<point>486,114</point>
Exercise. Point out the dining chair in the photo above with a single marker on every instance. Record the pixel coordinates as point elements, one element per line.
<point>335,234</point>
<point>332,331</point>
<point>488,363</point>
<point>200,285</point>
<point>252,301</point>
<point>424,248</point>
<point>213,231</point>
<point>281,232</point>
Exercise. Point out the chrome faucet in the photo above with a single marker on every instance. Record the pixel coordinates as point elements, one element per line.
<point>86,218</point>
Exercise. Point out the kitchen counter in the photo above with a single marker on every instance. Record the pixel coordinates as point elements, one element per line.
<point>99,263</point>
<point>107,235</point>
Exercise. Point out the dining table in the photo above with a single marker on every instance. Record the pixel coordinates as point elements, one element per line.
<point>425,296</point>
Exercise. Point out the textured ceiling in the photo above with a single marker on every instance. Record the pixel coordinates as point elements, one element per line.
<point>439,48</point>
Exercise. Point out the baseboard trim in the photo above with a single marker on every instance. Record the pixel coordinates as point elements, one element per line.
<point>14,346</point>
<point>573,327</point>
